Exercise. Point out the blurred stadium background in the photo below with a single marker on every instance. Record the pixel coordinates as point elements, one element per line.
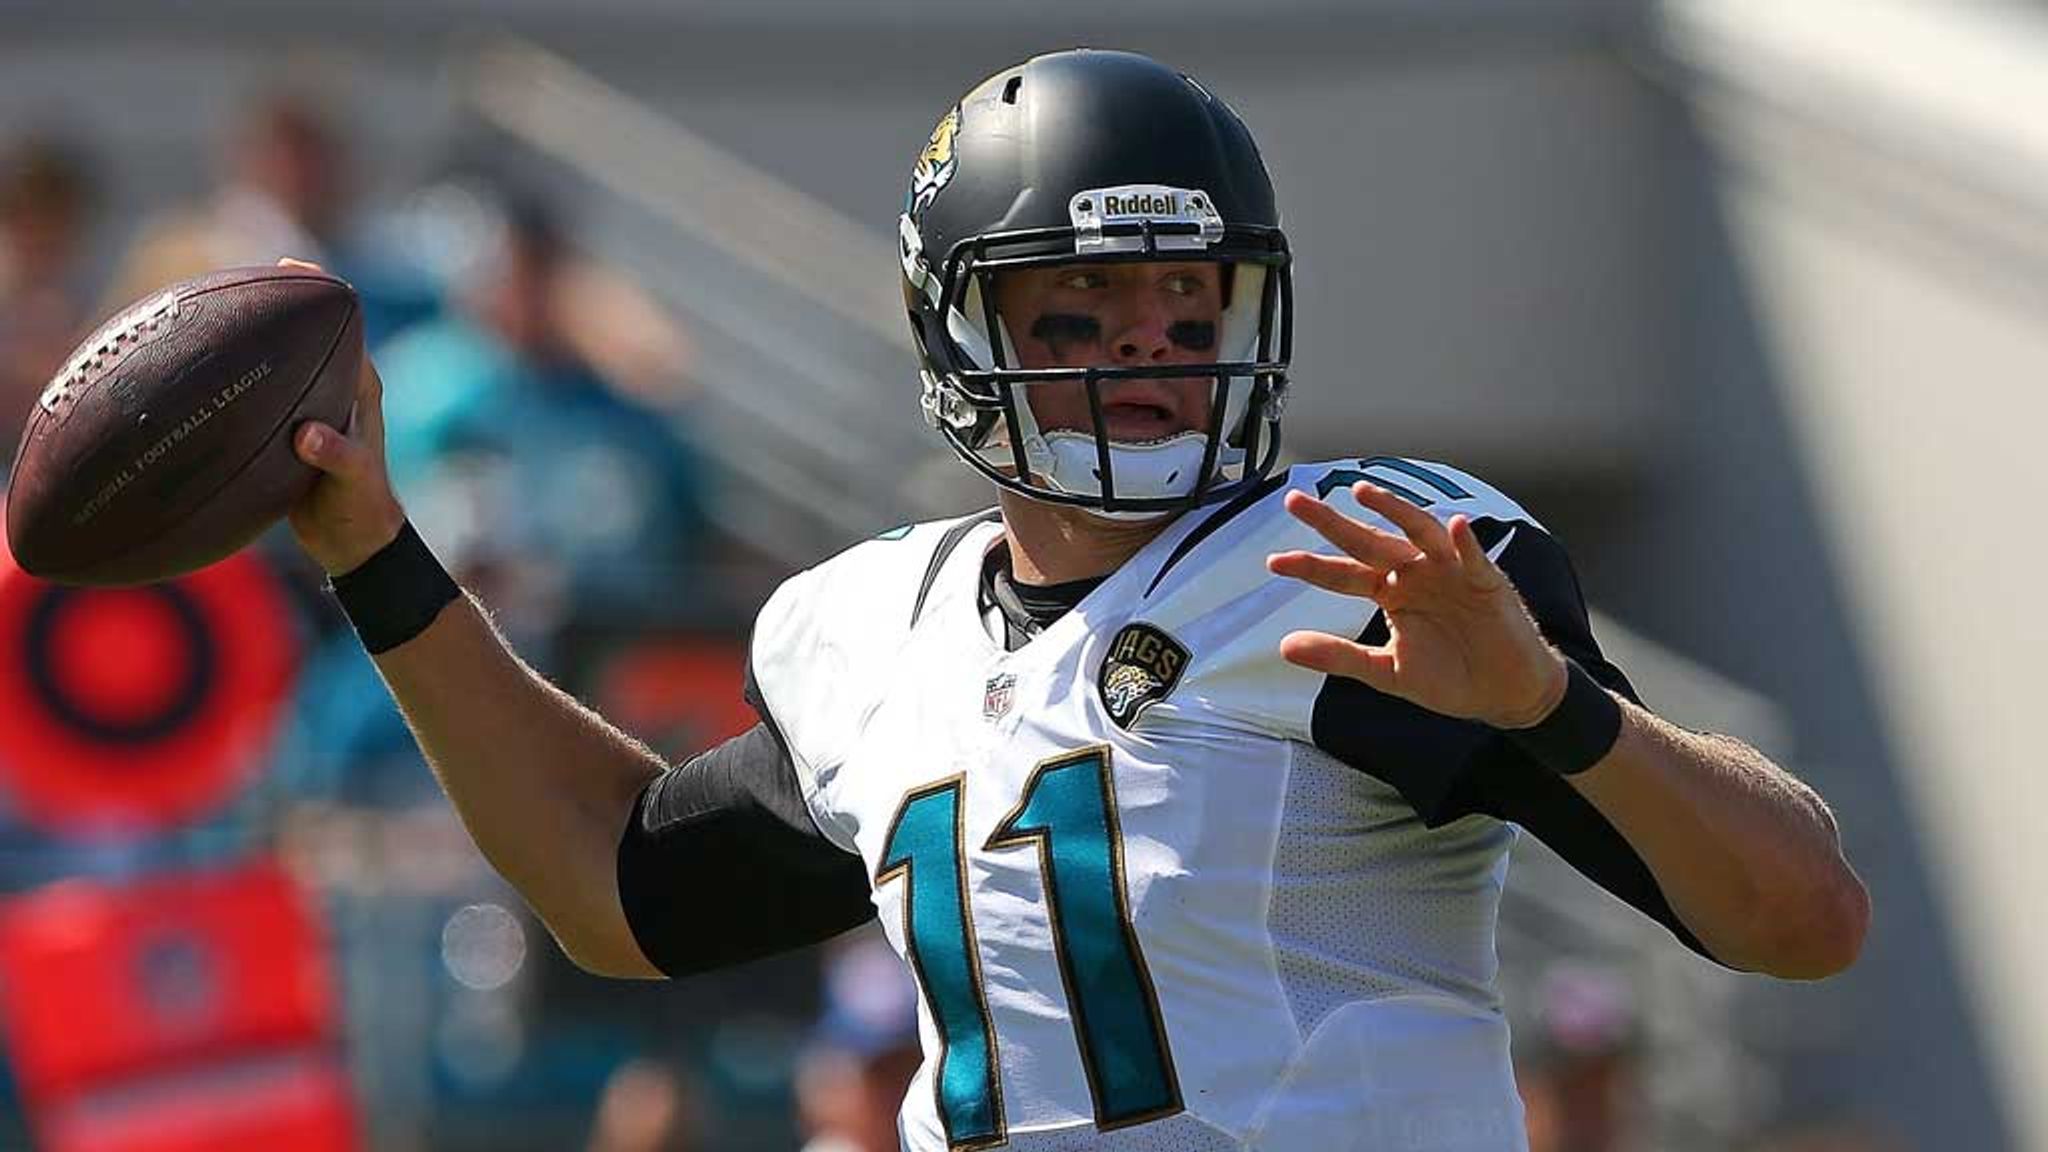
<point>1745,299</point>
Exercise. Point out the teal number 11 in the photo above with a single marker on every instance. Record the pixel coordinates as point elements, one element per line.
<point>1069,813</point>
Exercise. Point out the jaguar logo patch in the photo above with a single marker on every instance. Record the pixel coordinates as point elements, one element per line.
<point>1142,667</point>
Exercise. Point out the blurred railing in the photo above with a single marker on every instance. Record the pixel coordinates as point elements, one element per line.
<point>805,376</point>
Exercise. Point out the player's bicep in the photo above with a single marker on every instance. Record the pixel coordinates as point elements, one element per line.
<point>721,862</point>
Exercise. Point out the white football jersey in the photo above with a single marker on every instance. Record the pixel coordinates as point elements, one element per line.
<point>1144,909</point>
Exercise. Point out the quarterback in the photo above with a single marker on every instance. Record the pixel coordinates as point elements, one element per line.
<point>1182,779</point>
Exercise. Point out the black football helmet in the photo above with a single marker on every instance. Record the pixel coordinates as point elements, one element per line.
<point>1093,156</point>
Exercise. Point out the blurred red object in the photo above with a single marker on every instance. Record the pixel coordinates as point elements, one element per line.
<point>180,1014</point>
<point>134,710</point>
<point>680,694</point>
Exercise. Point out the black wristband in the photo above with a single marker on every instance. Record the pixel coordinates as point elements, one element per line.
<point>1579,732</point>
<point>392,597</point>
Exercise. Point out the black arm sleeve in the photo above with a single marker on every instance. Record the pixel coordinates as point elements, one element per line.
<point>722,863</point>
<point>1450,768</point>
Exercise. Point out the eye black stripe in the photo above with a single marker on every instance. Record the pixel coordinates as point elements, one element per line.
<point>1057,328</point>
<point>1193,335</point>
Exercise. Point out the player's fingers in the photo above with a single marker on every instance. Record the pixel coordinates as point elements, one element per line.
<point>1422,529</point>
<point>1360,540</point>
<point>321,446</point>
<point>294,262</point>
<point>369,414</point>
<point>1336,656</point>
<point>1480,569</point>
<point>1339,574</point>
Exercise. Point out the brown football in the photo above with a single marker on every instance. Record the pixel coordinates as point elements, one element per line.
<point>164,443</point>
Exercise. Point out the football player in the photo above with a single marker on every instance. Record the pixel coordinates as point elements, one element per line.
<point>1183,781</point>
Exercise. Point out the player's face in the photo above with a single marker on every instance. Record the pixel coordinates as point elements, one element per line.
<point>1121,315</point>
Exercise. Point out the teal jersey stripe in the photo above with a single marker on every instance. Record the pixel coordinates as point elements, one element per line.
<point>1450,488</point>
<point>1345,477</point>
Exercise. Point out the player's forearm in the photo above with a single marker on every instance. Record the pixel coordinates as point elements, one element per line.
<point>543,784</point>
<point>1747,855</point>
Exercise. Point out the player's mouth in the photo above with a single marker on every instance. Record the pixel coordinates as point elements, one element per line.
<point>1140,410</point>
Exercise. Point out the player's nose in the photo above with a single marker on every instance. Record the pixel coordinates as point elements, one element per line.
<point>1142,335</point>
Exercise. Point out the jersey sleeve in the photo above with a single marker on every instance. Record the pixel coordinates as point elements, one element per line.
<point>1449,768</point>
<point>1214,594</point>
<point>1444,766</point>
<point>731,856</point>
<point>830,636</point>
<point>1505,783</point>
<point>721,862</point>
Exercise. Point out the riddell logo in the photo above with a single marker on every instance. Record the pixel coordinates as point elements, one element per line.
<point>1139,204</point>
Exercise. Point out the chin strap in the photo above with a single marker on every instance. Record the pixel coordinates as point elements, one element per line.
<point>1066,461</point>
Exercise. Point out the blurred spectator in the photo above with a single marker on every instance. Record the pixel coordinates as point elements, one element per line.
<point>614,325</point>
<point>562,500</point>
<point>285,190</point>
<point>608,319</point>
<point>646,1107</point>
<point>552,496</point>
<point>860,1060</point>
<point>46,200</point>
<point>1540,1108</point>
<point>1582,1088</point>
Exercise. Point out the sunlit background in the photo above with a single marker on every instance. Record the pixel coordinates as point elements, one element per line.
<point>1746,299</point>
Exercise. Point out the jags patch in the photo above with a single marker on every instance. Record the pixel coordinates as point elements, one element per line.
<point>935,165</point>
<point>1142,667</point>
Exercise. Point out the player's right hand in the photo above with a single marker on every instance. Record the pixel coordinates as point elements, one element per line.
<point>351,511</point>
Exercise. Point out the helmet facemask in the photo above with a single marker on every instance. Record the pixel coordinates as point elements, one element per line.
<point>978,394</point>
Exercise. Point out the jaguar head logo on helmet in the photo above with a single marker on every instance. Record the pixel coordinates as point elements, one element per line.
<point>1098,287</point>
<point>935,164</point>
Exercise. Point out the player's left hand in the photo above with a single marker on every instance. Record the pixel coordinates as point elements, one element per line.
<point>1460,641</point>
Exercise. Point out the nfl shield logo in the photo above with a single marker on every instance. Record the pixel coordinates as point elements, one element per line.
<point>995,699</point>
